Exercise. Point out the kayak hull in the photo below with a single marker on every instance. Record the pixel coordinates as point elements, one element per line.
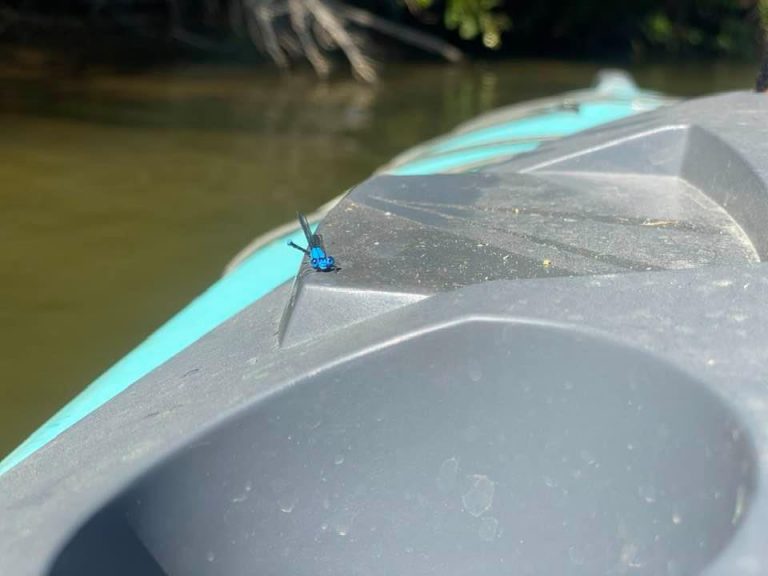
<point>553,362</point>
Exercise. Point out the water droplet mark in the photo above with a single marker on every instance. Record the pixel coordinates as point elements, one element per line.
<point>339,459</point>
<point>474,370</point>
<point>287,504</point>
<point>489,527</point>
<point>243,496</point>
<point>676,518</point>
<point>342,522</point>
<point>587,457</point>
<point>648,494</point>
<point>446,476</point>
<point>576,555</point>
<point>738,509</point>
<point>628,556</point>
<point>210,557</point>
<point>479,498</point>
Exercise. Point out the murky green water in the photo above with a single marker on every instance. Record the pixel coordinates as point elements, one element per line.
<point>122,197</point>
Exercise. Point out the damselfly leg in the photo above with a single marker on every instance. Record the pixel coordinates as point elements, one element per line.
<point>293,245</point>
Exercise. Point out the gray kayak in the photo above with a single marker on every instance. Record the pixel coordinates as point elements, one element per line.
<point>554,364</point>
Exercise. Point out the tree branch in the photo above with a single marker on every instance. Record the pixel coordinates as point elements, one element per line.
<point>299,23</point>
<point>407,35</point>
<point>362,66</point>
<point>260,25</point>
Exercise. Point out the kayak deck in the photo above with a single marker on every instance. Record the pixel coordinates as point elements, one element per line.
<point>555,362</point>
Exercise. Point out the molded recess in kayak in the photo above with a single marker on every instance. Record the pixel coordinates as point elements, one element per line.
<point>690,153</point>
<point>524,449</point>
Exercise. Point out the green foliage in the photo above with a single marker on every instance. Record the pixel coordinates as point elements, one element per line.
<point>669,27</point>
<point>705,27</point>
<point>473,18</point>
<point>762,11</point>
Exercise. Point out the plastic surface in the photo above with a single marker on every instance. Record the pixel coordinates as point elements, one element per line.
<point>499,465</point>
<point>553,366</point>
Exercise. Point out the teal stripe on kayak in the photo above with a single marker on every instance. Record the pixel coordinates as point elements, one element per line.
<point>460,159</point>
<point>263,271</point>
<point>549,125</point>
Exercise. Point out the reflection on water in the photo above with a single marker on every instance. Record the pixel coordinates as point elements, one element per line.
<point>121,197</point>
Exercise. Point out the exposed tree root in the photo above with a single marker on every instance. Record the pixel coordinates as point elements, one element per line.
<point>320,27</point>
<point>300,23</point>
